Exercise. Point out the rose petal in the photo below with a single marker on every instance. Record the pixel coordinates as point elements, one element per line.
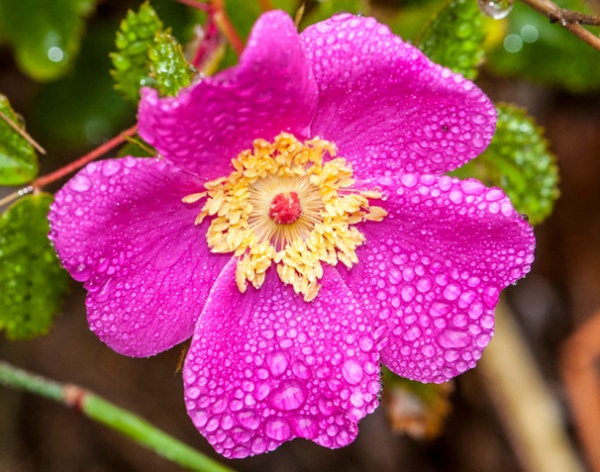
<point>211,122</point>
<point>433,269</point>
<point>389,108</point>
<point>265,367</point>
<point>120,226</point>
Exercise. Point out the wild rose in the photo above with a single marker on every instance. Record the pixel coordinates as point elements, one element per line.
<point>299,226</point>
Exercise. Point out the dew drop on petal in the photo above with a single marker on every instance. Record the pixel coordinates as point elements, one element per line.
<point>352,372</point>
<point>80,183</point>
<point>289,396</point>
<point>277,362</point>
<point>278,429</point>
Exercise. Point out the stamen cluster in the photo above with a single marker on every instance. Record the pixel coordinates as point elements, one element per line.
<point>242,205</point>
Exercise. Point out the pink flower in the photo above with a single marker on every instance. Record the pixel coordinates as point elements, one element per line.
<point>297,272</point>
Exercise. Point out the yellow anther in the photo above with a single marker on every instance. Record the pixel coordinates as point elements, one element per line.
<point>322,232</point>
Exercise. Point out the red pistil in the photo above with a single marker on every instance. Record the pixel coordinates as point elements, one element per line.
<point>285,208</point>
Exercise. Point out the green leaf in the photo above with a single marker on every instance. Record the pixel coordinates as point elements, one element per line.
<point>44,33</point>
<point>454,37</point>
<point>134,38</point>
<point>545,52</point>
<point>32,282</point>
<point>168,66</point>
<point>518,160</point>
<point>18,161</point>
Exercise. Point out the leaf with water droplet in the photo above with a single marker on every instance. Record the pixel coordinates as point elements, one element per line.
<point>454,37</point>
<point>168,66</point>
<point>519,161</point>
<point>415,408</point>
<point>32,283</point>
<point>134,38</point>
<point>18,161</point>
<point>44,34</point>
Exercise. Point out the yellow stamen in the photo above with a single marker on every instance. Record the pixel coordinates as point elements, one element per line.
<point>240,205</point>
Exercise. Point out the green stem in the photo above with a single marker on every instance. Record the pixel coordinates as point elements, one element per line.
<point>107,413</point>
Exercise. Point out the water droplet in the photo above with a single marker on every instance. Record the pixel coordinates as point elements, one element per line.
<point>497,9</point>
<point>278,429</point>
<point>80,183</point>
<point>277,362</point>
<point>110,167</point>
<point>452,292</point>
<point>352,372</point>
<point>365,343</point>
<point>408,293</point>
<point>454,339</point>
<point>289,396</point>
<point>249,419</point>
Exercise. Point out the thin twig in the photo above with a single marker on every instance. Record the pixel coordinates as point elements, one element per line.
<point>75,165</point>
<point>530,413</point>
<point>568,19</point>
<point>22,132</point>
<point>15,195</point>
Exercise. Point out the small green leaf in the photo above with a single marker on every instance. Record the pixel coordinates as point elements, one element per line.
<point>168,66</point>
<point>44,33</point>
<point>134,38</point>
<point>18,161</point>
<point>454,37</point>
<point>518,160</point>
<point>32,282</point>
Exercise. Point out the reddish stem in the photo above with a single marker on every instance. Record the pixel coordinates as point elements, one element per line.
<point>40,182</point>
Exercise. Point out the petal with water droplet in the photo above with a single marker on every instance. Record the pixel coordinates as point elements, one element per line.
<point>145,264</point>
<point>306,393</point>
<point>456,255</point>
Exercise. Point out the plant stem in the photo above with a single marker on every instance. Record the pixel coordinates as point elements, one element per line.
<point>119,419</point>
<point>75,165</point>
<point>568,19</point>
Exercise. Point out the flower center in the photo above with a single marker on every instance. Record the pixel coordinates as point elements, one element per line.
<point>284,205</point>
<point>285,208</point>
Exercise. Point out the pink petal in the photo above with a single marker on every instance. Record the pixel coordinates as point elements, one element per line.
<point>265,367</point>
<point>211,122</point>
<point>388,107</point>
<point>120,226</point>
<point>433,269</point>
